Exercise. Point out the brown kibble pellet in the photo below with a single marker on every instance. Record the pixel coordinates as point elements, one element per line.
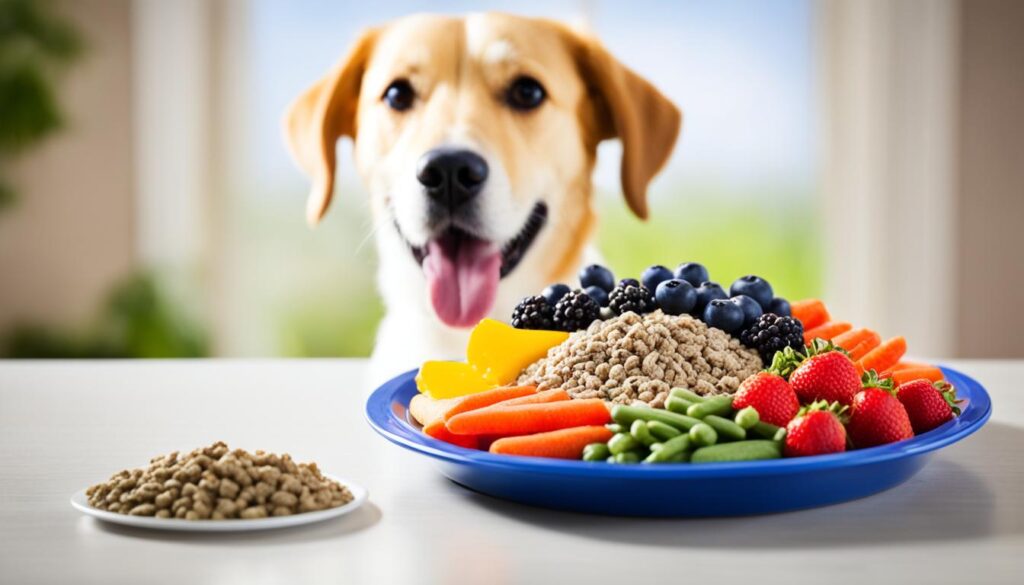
<point>216,483</point>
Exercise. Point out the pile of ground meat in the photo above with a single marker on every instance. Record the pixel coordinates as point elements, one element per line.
<point>638,359</point>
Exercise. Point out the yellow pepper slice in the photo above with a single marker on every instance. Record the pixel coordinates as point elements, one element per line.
<point>439,380</point>
<point>500,352</point>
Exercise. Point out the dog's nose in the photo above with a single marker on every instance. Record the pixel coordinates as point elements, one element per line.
<point>452,176</point>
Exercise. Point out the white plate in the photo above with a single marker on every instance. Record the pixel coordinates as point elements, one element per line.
<point>81,503</point>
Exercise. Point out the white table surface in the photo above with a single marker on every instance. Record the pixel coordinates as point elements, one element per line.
<point>65,425</point>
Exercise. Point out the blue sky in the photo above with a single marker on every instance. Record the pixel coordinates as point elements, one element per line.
<point>743,72</point>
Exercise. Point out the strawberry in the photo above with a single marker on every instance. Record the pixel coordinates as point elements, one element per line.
<point>928,404</point>
<point>770,395</point>
<point>877,418</point>
<point>826,373</point>
<point>816,430</point>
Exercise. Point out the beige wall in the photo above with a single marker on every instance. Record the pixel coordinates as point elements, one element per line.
<point>991,199</point>
<point>70,235</point>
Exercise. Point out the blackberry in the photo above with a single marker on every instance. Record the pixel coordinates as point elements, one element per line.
<point>631,297</point>
<point>772,333</point>
<point>576,310</point>
<point>533,313</point>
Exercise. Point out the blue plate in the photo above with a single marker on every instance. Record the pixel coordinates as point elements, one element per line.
<point>709,489</point>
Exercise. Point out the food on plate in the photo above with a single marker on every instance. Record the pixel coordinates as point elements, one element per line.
<point>559,444</point>
<point>821,372</point>
<point>525,419</point>
<point>810,312</point>
<point>828,330</point>
<point>771,333</point>
<point>816,430</point>
<point>877,417</point>
<point>770,395</point>
<point>671,368</point>
<point>217,483</point>
<point>495,355</point>
<point>928,404</point>
<point>632,358</point>
<point>885,355</point>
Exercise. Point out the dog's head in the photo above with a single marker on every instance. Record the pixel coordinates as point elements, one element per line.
<point>472,134</point>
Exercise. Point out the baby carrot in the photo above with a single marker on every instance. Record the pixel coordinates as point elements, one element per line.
<point>556,395</point>
<point>826,331</point>
<point>905,365</point>
<point>526,419</point>
<point>850,339</point>
<point>927,372</point>
<point>810,312</point>
<point>861,349</point>
<point>439,431</point>
<point>884,356</point>
<point>487,398</point>
<point>560,444</point>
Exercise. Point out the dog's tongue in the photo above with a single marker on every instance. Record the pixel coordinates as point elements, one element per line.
<point>462,278</point>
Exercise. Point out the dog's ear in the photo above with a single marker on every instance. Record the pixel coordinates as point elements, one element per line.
<point>626,106</point>
<point>323,113</point>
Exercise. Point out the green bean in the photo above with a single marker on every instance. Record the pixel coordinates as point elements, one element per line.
<point>703,435</point>
<point>621,443</point>
<point>769,431</point>
<point>596,452</point>
<point>616,428</point>
<point>678,405</point>
<point>639,431</point>
<point>627,457</point>
<point>670,449</point>
<point>661,430</point>
<point>625,415</point>
<point>719,405</point>
<point>725,428</point>
<point>687,395</point>
<point>738,451</point>
<point>748,417</point>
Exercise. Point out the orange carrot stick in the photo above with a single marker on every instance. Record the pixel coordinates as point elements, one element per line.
<point>560,444</point>
<point>487,398</point>
<point>861,349</point>
<point>810,312</point>
<point>438,431</point>
<point>526,419</point>
<point>826,331</point>
<point>850,339</point>
<point>931,373</point>
<point>556,395</point>
<point>884,356</point>
<point>905,365</point>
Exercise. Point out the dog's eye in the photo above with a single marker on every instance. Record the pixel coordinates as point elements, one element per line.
<point>525,93</point>
<point>399,95</point>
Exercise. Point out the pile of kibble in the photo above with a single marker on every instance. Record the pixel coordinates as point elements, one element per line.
<point>217,483</point>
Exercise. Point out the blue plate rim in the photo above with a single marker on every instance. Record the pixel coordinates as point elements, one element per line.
<point>384,421</point>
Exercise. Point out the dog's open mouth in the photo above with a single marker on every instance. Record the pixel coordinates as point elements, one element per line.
<point>463,270</point>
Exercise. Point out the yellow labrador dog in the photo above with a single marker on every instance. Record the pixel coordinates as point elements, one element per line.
<point>476,137</point>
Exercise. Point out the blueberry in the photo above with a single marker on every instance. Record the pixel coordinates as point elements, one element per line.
<point>629,282</point>
<point>654,276</point>
<point>598,294</point>
<point>597,275</point>
<point>676,297</point>
<point>780,307</point>
<point>692,273</point>
<point>751,309</point>
<point>707,292</point>
<point>754,287</point>
<point>724,314</point>
<point>554,293</point>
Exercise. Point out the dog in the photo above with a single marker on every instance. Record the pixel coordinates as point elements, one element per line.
<point>476,137</point>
